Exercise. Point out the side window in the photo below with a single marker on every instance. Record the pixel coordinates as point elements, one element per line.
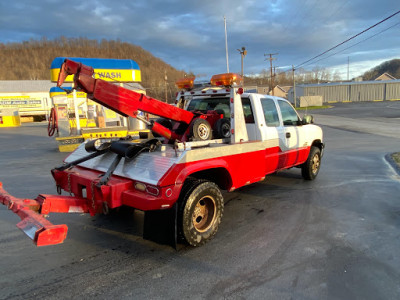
<point>270,112</point>
<point>247,111</point>
<point>289,115</point>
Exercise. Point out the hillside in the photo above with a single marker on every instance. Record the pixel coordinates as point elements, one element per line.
<point>391,66</point>
<point>31,60</point>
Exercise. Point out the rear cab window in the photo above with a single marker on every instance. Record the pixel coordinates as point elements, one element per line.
<point>222,106</point>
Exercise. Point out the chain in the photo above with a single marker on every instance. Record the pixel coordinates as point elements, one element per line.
<point>69,183</point>
<point>92,192</point>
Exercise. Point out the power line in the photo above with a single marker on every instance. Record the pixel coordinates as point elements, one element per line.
<point>354,44</point>
<point>354,36</point>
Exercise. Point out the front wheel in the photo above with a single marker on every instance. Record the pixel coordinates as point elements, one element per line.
<point>200,212</point>
<point>310,168</point>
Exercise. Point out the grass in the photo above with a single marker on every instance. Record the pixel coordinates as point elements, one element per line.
<point>314,107</point>
<point>396,158</point>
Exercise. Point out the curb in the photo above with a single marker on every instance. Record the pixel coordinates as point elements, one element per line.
<point>391,161</point>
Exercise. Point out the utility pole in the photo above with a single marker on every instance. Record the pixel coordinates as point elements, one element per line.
<point>348,68</point>
<point>243,53</point>
<point>294,87</point>
<point>165,86</point>
<point>270,58</point>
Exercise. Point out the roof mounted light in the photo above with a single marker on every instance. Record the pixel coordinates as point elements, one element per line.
<point>186,83</point>
<point>226,79</point>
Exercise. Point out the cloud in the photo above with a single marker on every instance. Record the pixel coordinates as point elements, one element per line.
<point>189,35</point>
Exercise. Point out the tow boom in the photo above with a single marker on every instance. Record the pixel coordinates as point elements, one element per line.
<point>34,224</point>
<point>124,101</point>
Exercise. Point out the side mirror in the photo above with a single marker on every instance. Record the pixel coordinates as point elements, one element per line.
<point>308,119</point>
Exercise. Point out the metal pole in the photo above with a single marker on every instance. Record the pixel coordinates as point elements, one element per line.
<point>165,86</point>
<point>348,68</point>
<point>272,77</point>
<point>243,53</point>
<point>294,87</point>
<point>242,63</point>
<point>226,47</point>
<point>125,122</point>
<point>78,125</point>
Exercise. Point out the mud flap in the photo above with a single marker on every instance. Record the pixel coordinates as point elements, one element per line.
<point>160,226</point>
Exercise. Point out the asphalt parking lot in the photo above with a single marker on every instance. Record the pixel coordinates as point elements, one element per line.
<point>337,237</point>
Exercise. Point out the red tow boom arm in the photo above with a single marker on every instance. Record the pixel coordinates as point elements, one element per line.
<point>121,100</point>
<point>32,213</point>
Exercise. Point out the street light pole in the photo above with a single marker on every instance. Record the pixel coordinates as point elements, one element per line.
<point>243,53</point>
<point>226,47</point>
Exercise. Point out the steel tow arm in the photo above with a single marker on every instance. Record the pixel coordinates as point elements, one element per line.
<point>32,213</point>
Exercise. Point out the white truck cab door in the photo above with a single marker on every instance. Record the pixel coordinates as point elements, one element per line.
<point>271,125</point>
<point>291,132</point>
<point>282,121</point>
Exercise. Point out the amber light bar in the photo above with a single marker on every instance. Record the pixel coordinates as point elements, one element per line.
<point>186,83</point>
<point>226,79</point>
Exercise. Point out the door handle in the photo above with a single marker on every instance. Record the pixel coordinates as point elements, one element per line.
<point>288,135</point>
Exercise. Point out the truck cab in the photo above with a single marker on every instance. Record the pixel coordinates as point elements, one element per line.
<point>266,118</point>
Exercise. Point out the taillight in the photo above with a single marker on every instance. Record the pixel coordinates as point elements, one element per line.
<point>152,190</point>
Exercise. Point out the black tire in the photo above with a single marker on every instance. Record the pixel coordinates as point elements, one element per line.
<point>200,211</point>
<point>310,169</point>
<point>222,128</point>
<point>164,122</point>
<point>201,130</point>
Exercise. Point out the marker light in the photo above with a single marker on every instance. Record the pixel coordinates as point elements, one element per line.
<point>226,79</point>
<point>186,83</point>
<point>140,186</point>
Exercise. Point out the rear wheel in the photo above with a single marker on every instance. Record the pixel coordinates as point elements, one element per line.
<point>310,168</point>
<point>200,212</point>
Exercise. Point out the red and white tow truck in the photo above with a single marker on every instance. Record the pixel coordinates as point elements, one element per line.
<point>223,140</point>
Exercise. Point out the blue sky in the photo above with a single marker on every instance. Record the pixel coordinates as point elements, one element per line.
<point>189,35</point>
